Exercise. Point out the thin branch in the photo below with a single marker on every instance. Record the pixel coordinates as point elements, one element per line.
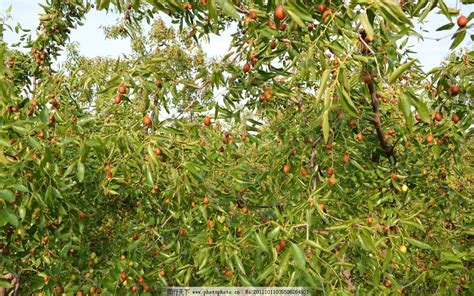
<point>11,156</point>
<point>306,225</point>
<point>33,87</point>
<point>285,40</point>
<point>241,9</point>
<point>298,102</point>
<point>376,120</point>
<point>375,59</point>
<point>15,283</point>
<point>446,36</point>
<point>72,98</point>
<point>414,281</point>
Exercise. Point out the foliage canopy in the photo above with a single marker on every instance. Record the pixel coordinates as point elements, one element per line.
<point>316,153</point>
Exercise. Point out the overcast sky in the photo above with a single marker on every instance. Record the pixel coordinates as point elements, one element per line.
<point>93,43</point>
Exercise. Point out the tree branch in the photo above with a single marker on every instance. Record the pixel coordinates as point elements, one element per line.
<point>376,120</point>
<point>15,283</point>
<point>241,9</point>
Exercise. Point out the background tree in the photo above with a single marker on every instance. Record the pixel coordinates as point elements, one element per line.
<point>332,160</point>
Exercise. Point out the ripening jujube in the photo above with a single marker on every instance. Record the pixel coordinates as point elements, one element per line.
<point>280,13</point>
<point>122,89</point>
<point>147,120</point>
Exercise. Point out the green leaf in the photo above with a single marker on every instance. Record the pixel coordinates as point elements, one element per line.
<point>418,244</point>
<point>445,256</point>
<point>152,154</point>
<point>20,187</point>
<point>195,172</point>
<point>105,4</point>
<point>69,170</point>
<point>84,120</point>
<point>413,224</point>
<point>245,281</point>
<point>239,264</point>
<point>396,11</point>
<point>309,215</point>
<point>360,58</point>
<point>229,9</point>
<point>136,4</point>
<point>358,166</point>
<point>274,233</point>
<point>266,273</point>
<point>260,242</point>
<point>22,213</point>
<point>316,245</point>
<point>80,171</point>
<point>7,216</point>
<point>366,240</point>
<point>366,24</point>
<point>326,126</point>
<point>448,26</point>
<point>324,80</point>
<point>109,284</point>
<point>5,284</point>
<point>299,255</point>
<point>7,195</point>
<point>93,143</point>
<point>56,193</point>
<point>444,9</point>
<point>404,104</point>
<point>421,108</point>
<point>149,177</point>
<point>5,142</point>
<point>399,71</point>
<point>300,10</point>
<point>420,4</point>
<point>211,6</point>
<point>19,129</point>
<point>285,259</point>
<point>296,18</point>
<point>458,38</point>
<point>425,13</point>
<point>33,143</point>
<point>347,103</point>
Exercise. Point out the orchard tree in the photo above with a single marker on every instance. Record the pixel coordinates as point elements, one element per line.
<point>317,152</point>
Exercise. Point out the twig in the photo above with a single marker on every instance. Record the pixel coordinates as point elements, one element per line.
<point>414,281</point>
<point>375,59</point>
<point>237,55</point>
<point>303,225</point>
<point>376,120</point>
<point>241,9</point>
<point>72,98</point>
<point>446,36</point>
<point>11,156</point>
<point>15,282</point>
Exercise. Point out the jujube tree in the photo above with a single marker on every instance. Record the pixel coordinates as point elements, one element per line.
<point>317,152</point>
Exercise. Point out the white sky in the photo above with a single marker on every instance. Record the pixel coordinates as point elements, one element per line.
<point>93,43</point>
